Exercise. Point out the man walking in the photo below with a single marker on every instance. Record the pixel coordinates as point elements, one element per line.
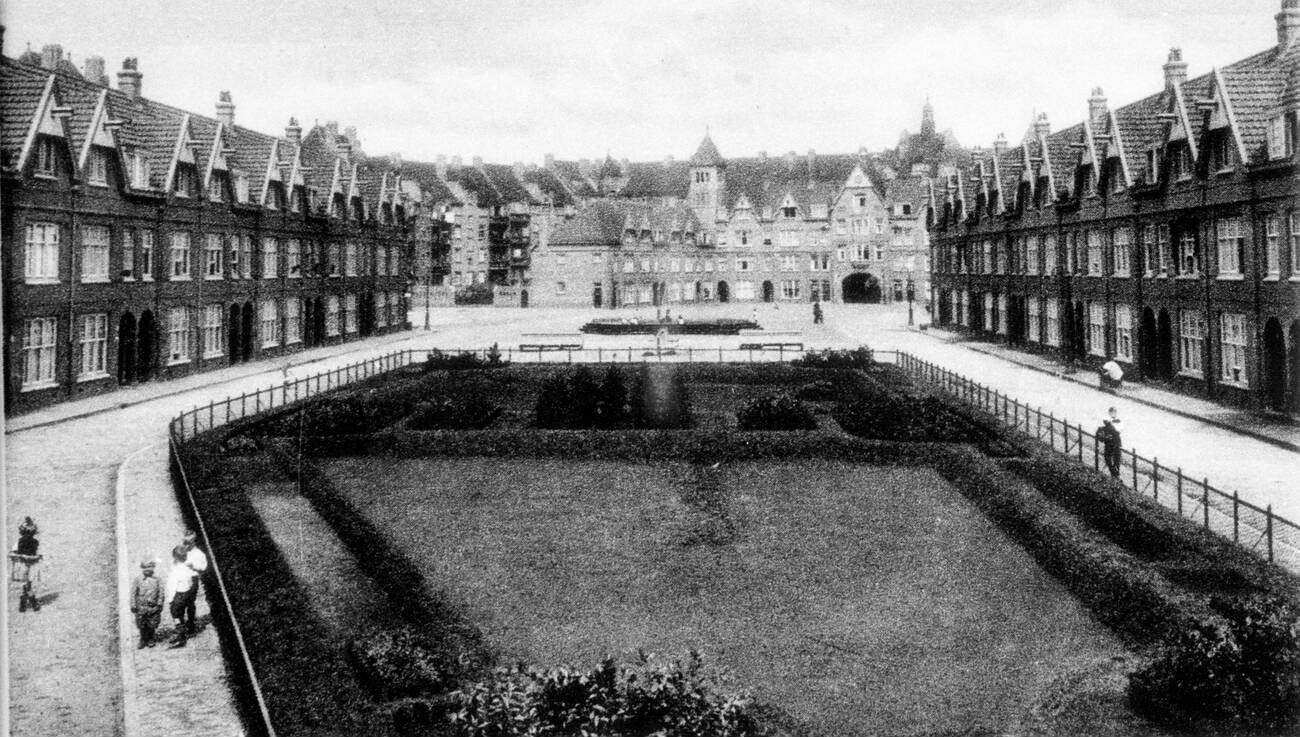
<point>1112,441</point>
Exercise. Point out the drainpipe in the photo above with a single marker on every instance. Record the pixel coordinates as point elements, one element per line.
<point>73,191</point>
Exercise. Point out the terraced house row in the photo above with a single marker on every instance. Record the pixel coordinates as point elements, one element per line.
<point>143,242</point>
<point>1164,233</point>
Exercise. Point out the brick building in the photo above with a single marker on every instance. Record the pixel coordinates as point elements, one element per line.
<point>145,242</point>
<point>1164,233</point>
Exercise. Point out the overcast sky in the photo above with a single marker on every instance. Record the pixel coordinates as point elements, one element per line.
<point>641,78</point>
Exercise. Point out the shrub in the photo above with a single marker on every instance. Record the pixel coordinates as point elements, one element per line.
<point>891,417</point>
<point>401,663</point>
<point>454,412</point>
<point>359,412</point>
<point>776,412</point>
<point>1242,669</point>
<point>662,400</point>
<point>678,700</point>
<point>474,294</point>
<point>858,358</point>
<point>465,360</point>
<point>818,391</point>
<point>568,400</point>
<point>611,400</point>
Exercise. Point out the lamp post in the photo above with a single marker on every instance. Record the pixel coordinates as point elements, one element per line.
<point>911,291</point>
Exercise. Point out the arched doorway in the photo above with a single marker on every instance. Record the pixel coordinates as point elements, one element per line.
<point>724,292</point>
<point>126,349</point>
<point>144,356</point>
<point>246,333</point>
<point>1147,345</point>
<point>523,297</point>
<point>1294,335</point>
<point>366,310</point>
<point>1164,346</point>
<point>233,342</point>
<point>860,288</point>
<point>597,298</point>
<point>1079,332</point>
<point>1274,365</point>
<point>769,293</point>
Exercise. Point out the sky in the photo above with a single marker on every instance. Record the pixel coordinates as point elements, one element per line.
<point>644,79</point>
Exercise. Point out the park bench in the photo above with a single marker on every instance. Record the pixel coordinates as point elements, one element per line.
<point>543,342</point>
<point>774,346</point>
<point>545,347</point>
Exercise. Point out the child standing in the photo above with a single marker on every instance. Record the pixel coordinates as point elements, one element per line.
<point>147,603</point>
<point>180,592</point>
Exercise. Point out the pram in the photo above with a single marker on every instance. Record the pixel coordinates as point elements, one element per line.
<point>25,570</point>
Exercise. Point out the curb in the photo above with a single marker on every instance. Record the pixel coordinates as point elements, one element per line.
<point>1283,444</point>
<point>182,390</point>
<point>125,625</point>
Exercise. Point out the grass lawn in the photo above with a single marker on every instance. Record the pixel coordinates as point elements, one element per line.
<point>862,600</point>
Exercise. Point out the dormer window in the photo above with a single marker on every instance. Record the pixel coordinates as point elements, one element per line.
<point>1180,162</point>
<point>1223,151</point>
<point>47,158</point>
<point>862,201</point>
<point>789,212</point>
<point>184,185</point>
<point>1115,177</point>
<point>1281,137</point>
<point>1152,174</point>
<point>215,193</point>
<point>1087,182</point>
<point>97,167</point>
<point>241,187</point>
<point>139,170</point>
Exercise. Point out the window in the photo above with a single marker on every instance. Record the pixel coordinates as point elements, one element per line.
<point>1191,342</point>
<point>47,158</point>
<point>184,185</point>
<point>1053,322</point>
<point>395,305</point>
<point>42,253</point>
<point>1093,238</point>
<point>381,309</point>
<point>214,337</point>
<point>1001,323</point>
<point>94,253</point>
<point>790,288</point>
<point>335,258</point>
<point>1232,244</point>
<point>246,256</point>
<point>213,250</point>
<point>1189,254</point>
<point>270,258</point>
<point>97,167</point>
<point>1279,145</point>
<point>270,323</point>
<point>350,259</point>
<point>1123,333</point>
<point>1122,244</point>
<point>180,253</point>
<point>241,188</point>
<point>1096,329</point>
<point>40,337</point>
<point>293,320</point>
<point>1295,244</point>
<point>1232,348</point>
<point>332,316</point>
<point>394,258</point>
<point>1180,163</point>
<point>1031,246</point>
<point>178,334</point>
<point>94,346</point>
<point>128,255</point>
<point>293,258</point>
<point>1035,319</point>
<point>146,255</point>
<point>139,170</point>
<point>1272,245</point>
<point>1049,253</point>
<point>215,188</point>
<point>350,313</point>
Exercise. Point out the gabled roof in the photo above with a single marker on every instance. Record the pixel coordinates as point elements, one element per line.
<point>550,186</point>
<point>508,185</point>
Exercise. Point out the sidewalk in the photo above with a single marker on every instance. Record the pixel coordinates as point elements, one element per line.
<point>1283,434</point>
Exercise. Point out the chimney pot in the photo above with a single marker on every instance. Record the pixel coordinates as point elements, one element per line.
<point>1175,69</point>
<point>94,70</point>
<point>478,161</point>
<point>293,132</point>
<point>549,161</point>
<point>225,108</point>
<point>51,55</point>
<point>128,80</point>
<point>1000,144</point>
<point>456,161</point>
<point>1041,125</point>
<point>1288,24</point>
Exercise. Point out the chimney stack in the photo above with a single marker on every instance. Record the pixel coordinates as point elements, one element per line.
<point>440,166</point>
<point>225,108</point>
<point>1000,144</point>
<point>94,70</point>
<point>343,147</point>
<point>293,132</point>
<point>1097,111</point>
<point>1042,128</point>
<point>51,55</point>
<point>128,80</point>
<point>395,159</point>
<point>478,162</point>
<point>518,168</point>
<point>549,161</point>
<point>812,159</point>
<point>790,157</point>
<point>1175,69</point>
<point>762,155</point>
<point>669,159</point>
<point>1288,24</point>
<point>456,161</point>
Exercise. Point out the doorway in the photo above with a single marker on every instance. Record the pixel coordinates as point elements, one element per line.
<point>1274,365</point>
<point>860,288</point>
<point>126,349</point>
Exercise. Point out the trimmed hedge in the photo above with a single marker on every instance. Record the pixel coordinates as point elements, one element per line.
<point>463,361</point>
<point>776,412</point>
<point>857,358</point>
<point>306,689</point>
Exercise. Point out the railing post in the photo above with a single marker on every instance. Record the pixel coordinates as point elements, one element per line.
<point>1179,491</point>
<point>1079,429</point>
<point>1155,479</point>
<point>1236,517</point>
<point>1205,500</point>
<point>1096,457</point>
<point>1268,529</point>
<point>1134,458</point>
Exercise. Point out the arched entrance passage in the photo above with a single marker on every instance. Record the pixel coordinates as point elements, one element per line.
<point>1148,345</point>
<point>769,293</point>
<point>724,292</point>
<point>233,342</point>
<point>144,355</point>
<point>1274,365</point>
<point>523,297</point>
<point>126,349</point>
<point>597,298</point>
<point>246,333</point>
<point>860,288</point>
<point>1164,346</point>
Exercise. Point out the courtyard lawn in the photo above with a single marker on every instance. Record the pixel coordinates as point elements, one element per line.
<point>859,599</point>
